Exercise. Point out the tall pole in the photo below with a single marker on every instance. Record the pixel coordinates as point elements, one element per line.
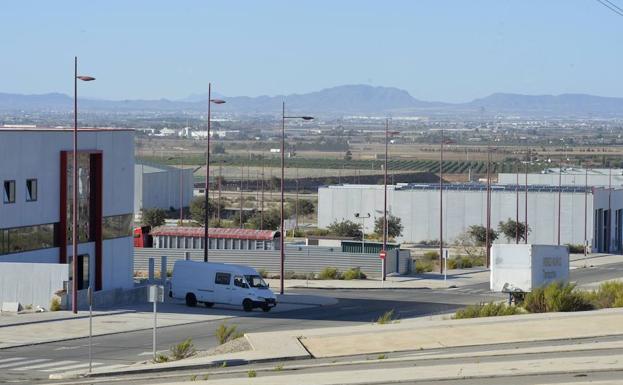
<point>585,210</point>
<point>441,267</point>
<point>559,199</point>
<point>74,225</point>
<point>383,261</point>
<point>220,181</point>
<point>241,197</point>
<point>296,207</point>
<point>282,251</point>
<point>488,197</point>
<point>526,199</point>
<point>517,205</point>
<point>207,184</point>
<point>262,200</point>
<point>609,235</point>
<point>181,190</point>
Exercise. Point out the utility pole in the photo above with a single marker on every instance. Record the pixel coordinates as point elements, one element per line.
<point>296,208</point>
<point>441,270</point>
<point>585,210</point>
<point>559,198</point>
<point>488,195</point>
<point>383,261</point>
<point>220,181</point>
<point>517,205</point>
<point>262,200</point>
<point>241,187</point>
<point>526,198</point>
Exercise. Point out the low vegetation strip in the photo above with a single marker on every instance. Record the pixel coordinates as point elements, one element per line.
<point>556,297</point>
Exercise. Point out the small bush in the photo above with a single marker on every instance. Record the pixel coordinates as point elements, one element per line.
<point>251,373</point>
<point>289,275</point>
<point>160,358</point>
<point>353,273</point>
<point>329,273</point>
<point>278,368</point>
<point>575,249</point>
<point>423,267</point>
<point>381,357</point>
<point>386,318</point>
<point>226,333</point>
<point>609,294</point>
<point>183,350</point>
<point>431,255</point>
<point>55,304</point>
<point>263,273</point>
<point>557,297</point>
<point>487,310</point>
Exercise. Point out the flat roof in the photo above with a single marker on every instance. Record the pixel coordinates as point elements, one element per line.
<point>230,233</point>
<point>473,187</point>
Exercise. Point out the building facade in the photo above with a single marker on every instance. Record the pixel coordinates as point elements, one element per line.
<point>593,214</point>
<point>569,176</point>
<point>175,237</point>
<point>36,168</point>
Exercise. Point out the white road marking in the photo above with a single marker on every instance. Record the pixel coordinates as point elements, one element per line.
<point>28,361</point>
<point>11,359</point>
<point>45,365</point>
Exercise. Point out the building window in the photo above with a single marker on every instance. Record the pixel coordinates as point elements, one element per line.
<point>9,191</point>
<point>21,239</point>
<point>117,226</point>
<point>31,190</point>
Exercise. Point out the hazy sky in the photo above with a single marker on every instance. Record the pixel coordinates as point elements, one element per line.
<point>452,50</point>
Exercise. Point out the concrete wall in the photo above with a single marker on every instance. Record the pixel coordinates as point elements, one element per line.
<point>419,211</point>
<point>31,283</point>
<point>300,259</point>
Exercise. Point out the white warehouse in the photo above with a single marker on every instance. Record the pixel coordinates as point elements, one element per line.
<point>36,209</point>
<point>465,204</point>
<point>571,176</point>
<point>161,186</point>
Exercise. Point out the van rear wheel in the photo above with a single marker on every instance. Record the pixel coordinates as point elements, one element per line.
<point>191,300</point>
<point>247,305</point>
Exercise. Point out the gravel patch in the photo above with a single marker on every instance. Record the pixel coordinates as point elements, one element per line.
<point>238,345</point>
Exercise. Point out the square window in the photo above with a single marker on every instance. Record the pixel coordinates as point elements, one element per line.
<point>31,190</point>
<point>9,191</point>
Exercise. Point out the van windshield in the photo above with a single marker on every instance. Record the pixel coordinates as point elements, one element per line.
<point>256,281</point>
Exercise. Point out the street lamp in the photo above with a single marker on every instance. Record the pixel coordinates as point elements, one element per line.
<point>74,230</point>
<point>363,229</point>
<point>207,183</point>
<point>283,142</point>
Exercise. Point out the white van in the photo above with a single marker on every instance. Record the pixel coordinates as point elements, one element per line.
<point>221,283</point>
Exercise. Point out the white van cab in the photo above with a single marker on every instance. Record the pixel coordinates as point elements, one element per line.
<point>220,283</point>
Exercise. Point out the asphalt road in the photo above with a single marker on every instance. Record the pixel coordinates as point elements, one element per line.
<point>354,307</point>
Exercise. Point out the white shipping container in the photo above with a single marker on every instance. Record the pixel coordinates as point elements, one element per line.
<point>524,267</point>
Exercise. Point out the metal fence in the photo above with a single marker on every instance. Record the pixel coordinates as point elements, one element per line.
<point>299,259</point>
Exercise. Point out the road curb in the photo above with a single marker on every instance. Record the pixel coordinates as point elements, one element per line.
<point>69,318</point>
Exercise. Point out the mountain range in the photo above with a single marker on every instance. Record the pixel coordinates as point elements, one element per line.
<point>338,101</point>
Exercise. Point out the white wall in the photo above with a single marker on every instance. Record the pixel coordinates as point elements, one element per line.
<point>117,263</point>
<point>162,189</point>
<point>419,211</point>
<point>31,283</point>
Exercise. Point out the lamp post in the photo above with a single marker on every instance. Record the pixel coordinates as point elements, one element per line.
<point>384,251</point>
<point>207,184</point>
<point>283,146</point>
<point>74,225</point>
<point>441,204</point>
<point>363,229</point>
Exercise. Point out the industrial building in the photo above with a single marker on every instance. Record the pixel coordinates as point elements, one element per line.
<point>172,237</point>
<point>567,176</point>
<point>585,213</point>
<point>36,208</point>
<point>161,186</point>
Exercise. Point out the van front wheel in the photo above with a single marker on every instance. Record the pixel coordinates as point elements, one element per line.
<point>247,305</point>
<point>191,300</point>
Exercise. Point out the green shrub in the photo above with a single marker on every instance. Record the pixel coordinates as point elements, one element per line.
<point>557,297</point>
<point>182,350</point>
<point>353,273</point>
<point>487,310</point>
<point>575,249</point>
<point>160,358</point>
<point>431,255</point>
<point>423,267</point>
<point>387,318</point>
<point>251,373</point>
<point>226,333</point>
<point>329,273</point>
<point>609,294</point>
<point>289,275</point>
<point>263,273</point>
<point>55,304</point>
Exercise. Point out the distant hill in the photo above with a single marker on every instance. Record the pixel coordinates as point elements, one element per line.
<point>339,101</point>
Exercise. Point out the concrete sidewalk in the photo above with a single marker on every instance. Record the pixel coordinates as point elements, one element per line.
<point>66,326</point>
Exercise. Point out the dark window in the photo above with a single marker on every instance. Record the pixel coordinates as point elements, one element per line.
<point>31,190</point>
<point>117,226</point>
<point>222,278</point>
<point>9,191</point>
<point>84,198</point>
<point>20,239</point>
<point>239,281</point>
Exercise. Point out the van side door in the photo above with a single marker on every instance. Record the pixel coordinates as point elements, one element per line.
<point>222,287</point>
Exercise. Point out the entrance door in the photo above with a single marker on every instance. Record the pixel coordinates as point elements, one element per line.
<point>222,287</point>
